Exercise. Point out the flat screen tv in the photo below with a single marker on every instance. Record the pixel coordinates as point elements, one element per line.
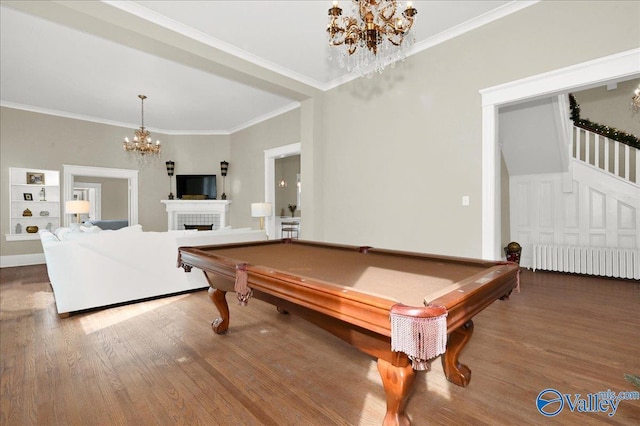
<point>196,187</point>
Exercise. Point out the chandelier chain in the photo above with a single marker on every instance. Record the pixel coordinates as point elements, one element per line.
<point>142,146</point>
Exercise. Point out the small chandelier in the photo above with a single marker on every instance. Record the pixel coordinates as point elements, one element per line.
<point>635,100</point>
<point>372,39</point>
<point>142,144</point>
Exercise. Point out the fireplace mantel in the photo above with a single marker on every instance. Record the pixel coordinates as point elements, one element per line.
<point>196,212</point>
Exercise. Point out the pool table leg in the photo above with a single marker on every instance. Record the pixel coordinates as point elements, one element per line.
<point>220,325</point>
<point>398,382</point>
<point>456,372</point>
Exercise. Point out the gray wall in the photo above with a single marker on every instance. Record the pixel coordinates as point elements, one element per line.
<point>114,196</point>
<point>385,161</point>
<point>611,107</point>
<point>402,150</point>
<point>246,168</point>
<point>43,141</point>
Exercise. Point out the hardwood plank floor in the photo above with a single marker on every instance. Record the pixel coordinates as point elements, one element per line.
<point>158,362</point>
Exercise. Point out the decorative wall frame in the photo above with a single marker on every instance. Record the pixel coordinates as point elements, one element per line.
<point>35,178</point>
<point>27,196</point>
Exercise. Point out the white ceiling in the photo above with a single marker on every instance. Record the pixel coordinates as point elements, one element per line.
<point>207,67</point>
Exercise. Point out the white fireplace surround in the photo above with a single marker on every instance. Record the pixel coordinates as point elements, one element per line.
<point>196,212</point>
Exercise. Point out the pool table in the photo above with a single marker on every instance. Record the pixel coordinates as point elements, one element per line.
<point>356,292</point>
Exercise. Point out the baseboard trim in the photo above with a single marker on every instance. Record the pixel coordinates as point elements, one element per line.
<point>21,260</point>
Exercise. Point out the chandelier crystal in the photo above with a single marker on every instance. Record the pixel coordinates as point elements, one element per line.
<point>635,100</point>
<point>142,146</point>
<point>373,38</point>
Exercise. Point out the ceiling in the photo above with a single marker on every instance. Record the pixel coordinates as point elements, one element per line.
<point>207,67</point>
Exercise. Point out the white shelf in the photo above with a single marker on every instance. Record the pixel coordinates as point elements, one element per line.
<point>22,237</point>
<point>18,187</point>
<point>35,217</point>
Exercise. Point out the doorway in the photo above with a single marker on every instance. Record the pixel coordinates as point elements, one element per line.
<point>70,173</point>
<point>270,156</point>
<point>586,75</point>
<point>91,192</point>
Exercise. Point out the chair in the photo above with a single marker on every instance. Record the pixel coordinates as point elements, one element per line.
<point>290,229</point>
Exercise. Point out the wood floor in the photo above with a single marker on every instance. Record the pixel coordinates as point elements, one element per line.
<point>158,362</point>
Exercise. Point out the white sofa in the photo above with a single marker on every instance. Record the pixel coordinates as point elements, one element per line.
<point>95,268</point>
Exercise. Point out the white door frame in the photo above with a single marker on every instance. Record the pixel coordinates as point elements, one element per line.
<point>71,171</point>
<point>618,67</point>
<point>96,202</point>
<point>270,156</point>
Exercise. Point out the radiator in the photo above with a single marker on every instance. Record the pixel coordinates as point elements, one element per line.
<point>601,261</point>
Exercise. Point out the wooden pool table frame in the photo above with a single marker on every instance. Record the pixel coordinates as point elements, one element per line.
<point>358,318</point>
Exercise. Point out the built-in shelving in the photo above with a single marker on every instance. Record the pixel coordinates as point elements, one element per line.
<point>41,197</point>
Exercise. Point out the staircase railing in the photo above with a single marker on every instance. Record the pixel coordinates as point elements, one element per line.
<point>606,154</point>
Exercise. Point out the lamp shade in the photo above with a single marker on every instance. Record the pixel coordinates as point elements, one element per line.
<point>77,207</point>
<point>224,167</point>
<point>170,167</point>
<point>260,209</point>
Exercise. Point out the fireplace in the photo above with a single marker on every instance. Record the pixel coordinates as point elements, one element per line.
<point>196,213</point>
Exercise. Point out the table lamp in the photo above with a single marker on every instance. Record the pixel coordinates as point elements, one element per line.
<point>261,210</point>
<point>77,207</point>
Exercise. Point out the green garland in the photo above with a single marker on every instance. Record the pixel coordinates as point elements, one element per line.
<point>606,131</point>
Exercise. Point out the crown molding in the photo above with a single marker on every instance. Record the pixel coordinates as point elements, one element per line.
<point>274,113</point>
<point>64,114</point>
<point>619,67</point>
<point>163,21</point>
<point>73,116</point>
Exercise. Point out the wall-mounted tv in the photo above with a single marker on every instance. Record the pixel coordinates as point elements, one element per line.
<point>196,187</point>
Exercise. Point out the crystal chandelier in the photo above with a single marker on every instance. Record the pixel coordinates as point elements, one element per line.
<point>373,38</point>
<point>635,100</point>
<point>142,145</point>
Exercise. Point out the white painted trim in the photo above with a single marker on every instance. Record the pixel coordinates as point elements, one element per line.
<point>21,260</point>
<point>270,156</point>
<point>564,127</point>
<point>490,184</point>
<point>96,209</point>
<point>246,124</point>
<point>159,19</point>
<point>21,237</point>
<point>265,117</point>
<point>90,119</point>
<point>620,66</point>
<point>70,171</point>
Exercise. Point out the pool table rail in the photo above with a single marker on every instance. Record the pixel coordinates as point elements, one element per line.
<point>352,306</point>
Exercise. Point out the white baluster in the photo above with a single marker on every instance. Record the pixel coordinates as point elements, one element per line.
<point>626,162</point>
<point>616,159</point>
<point>637,180</point>
<point>607,147</point>
<point>596,148</point>
<point>587,150</point>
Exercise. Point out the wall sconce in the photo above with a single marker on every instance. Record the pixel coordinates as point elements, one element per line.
<point>224,167</point>
<point>261,210</point>
<point>170,168</point>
